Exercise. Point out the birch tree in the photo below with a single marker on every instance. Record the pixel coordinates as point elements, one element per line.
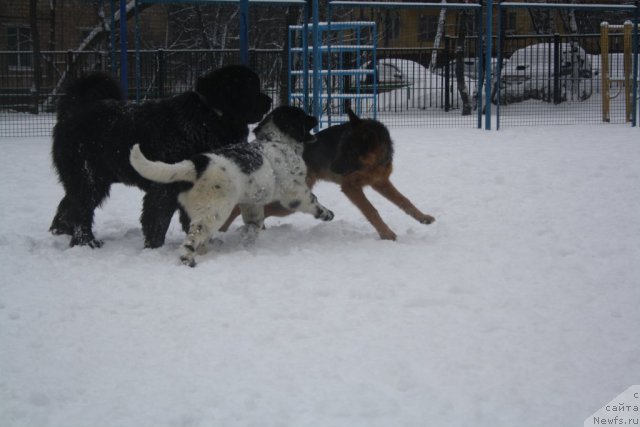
<point>462,85</point>
<point>101,29</point>
<point>438,40</point>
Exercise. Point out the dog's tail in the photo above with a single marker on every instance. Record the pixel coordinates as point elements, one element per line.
<point>89,88</point>
<point>353,118</point>
<point>162,172</point>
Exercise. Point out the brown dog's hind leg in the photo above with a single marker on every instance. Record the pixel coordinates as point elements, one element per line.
<point>272,209</point>
<point>234,214</point>
<point>357,197</point>
<point>388,190</point>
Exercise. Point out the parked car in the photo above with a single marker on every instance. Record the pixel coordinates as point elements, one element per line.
<point>530,73</point>
<point>396,72</point>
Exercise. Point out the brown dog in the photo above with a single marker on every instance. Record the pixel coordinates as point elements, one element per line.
<point>354,155</point>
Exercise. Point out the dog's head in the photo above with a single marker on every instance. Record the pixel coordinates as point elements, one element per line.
<point>287,123</point>
<point>363,144</point>
<point>234,91</point>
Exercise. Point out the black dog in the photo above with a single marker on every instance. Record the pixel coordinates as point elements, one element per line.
<point>96,130</point>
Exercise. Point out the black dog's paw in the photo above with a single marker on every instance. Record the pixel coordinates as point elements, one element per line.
<point>153,242</point>
<point>60,226</point>
<point>90,241</point>
<point>59,231</point>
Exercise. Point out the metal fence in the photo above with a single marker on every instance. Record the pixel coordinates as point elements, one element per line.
<point>27,108</point>
<point>416,97</point>
<point>542,80</point>
<point>556,79</point>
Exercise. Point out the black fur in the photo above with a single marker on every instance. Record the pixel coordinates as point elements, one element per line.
<point>96,130</point>
<point>201,162</point>
<point>247,159</point>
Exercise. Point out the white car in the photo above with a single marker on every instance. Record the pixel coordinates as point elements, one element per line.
<point>530,73</point>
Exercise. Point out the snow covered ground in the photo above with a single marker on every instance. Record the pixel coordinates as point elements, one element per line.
<point>518,307</point>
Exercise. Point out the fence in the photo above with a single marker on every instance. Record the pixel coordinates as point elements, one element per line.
<point>423,98</point>
<point>543,80</point>
<point>555,79</point>
<point>162,73</point>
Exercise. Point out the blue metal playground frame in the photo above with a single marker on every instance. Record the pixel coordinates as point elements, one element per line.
<point>420,5</point>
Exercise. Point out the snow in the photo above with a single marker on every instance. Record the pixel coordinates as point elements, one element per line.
<point>518,307</point>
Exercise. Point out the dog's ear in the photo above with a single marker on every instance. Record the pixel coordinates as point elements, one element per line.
<point>353,118</point>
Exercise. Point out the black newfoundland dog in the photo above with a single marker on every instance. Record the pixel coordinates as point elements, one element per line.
<point>96,129</point>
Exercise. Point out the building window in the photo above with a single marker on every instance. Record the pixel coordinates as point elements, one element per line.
<point>19,41</point>
<point>427,27</point>
<point>392,24</point>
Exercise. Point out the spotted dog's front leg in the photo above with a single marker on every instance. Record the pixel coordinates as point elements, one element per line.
<point>253,217</point>
<point>305,201</point>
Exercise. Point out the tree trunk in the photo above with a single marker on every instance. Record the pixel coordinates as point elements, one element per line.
<point>94,35</point>
<point>438,40</point>
<point>35,45</point>
<point>201,28</point>
<point>462,85</point>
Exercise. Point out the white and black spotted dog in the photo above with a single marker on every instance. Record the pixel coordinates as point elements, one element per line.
<point>249,175</point>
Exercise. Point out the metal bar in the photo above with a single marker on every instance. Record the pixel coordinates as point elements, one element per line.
<point>305,56</point>
<point>138,76</point>
<point>601,7</point>
<point>123,49</point>
<point>244,32</point>
<point>257,2</point>
<point>499,64</point>
<point>112,39</point>
<point>634,108</point>
<point>479,67</point>
<point>488,34</point>
<point>421,5</point>
<point>317,62</point>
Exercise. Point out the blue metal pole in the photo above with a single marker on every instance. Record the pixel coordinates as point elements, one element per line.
<point>479,66</point>
<point>317,62</point>
<point>138,73</point>
<point>305,59</point>
<point>113,36</point>
<point>244,32</point>
<point>636,22</point>
<point>499,64</point>
<point>488,34</point>
<point>123,48</point>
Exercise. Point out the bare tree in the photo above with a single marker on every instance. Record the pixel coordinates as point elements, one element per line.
<point>462,85</point>
<point>438,39</point>
<point>100,30</point>
<point>35,45</point>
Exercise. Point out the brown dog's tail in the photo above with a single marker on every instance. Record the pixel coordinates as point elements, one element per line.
<point>162,172</point>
